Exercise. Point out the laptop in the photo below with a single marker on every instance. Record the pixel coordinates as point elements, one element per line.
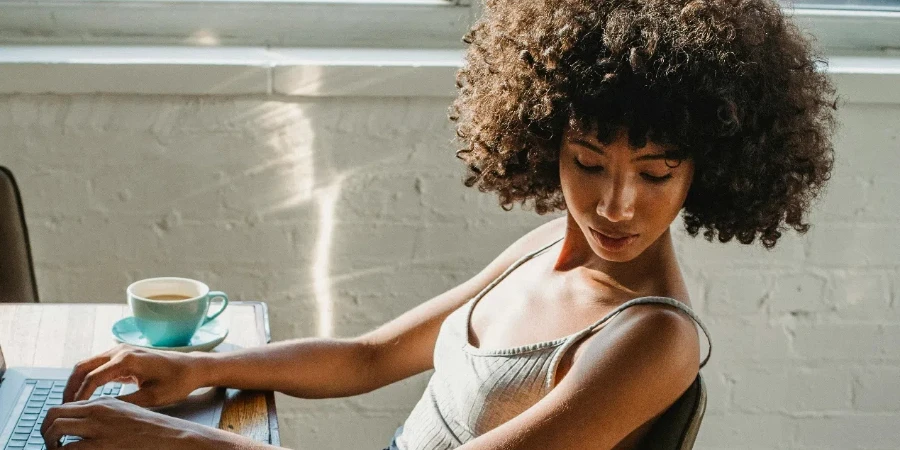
<point>27,393</point>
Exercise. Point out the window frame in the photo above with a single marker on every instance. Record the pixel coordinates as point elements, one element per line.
<point>420,24</point>
<point>266,23</point>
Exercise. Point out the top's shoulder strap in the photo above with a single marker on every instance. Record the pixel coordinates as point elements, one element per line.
<point>667,301</point>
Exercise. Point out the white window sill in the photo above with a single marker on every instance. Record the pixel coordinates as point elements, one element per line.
<point>308,72</point>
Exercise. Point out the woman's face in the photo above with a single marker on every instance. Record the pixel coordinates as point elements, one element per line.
<point>622,199</point>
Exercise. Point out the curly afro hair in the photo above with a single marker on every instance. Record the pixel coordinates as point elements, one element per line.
<point>729,84</point>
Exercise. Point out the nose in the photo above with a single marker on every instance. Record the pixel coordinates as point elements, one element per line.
<point>617,202</point>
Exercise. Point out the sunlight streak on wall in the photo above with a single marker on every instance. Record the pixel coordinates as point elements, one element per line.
<point>327,198</point>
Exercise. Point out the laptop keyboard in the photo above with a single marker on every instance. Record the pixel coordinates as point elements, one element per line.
<point>43,395</point>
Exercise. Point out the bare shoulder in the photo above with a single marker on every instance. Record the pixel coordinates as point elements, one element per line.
<point>655,330</point>
<point>658,311</point>
<point>666,323</point>
<point>542,235</point>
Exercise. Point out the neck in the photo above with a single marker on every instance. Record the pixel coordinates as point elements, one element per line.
<point>641,274</point>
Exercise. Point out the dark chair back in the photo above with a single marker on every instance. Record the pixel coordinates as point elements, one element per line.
<point>677,428</point>
<point>17,281</point>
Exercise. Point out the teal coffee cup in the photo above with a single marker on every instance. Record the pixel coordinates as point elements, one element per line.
<point>168,311</point>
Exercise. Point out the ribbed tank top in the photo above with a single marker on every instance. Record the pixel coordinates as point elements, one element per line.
<point>474,390</point>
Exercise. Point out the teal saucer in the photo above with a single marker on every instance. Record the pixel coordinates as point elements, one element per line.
<point>205,339</point>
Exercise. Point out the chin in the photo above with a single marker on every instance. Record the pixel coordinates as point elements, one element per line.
<point>619,257</point>
<point>622,256</point>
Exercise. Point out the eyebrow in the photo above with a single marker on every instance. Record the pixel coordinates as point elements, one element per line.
<point>599,150</point>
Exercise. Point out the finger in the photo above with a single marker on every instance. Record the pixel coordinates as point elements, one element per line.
<point>107,372</point>
<point>66,426</point>
<point>75,410</point>
<point>83,368</point>
<point>76,379</point>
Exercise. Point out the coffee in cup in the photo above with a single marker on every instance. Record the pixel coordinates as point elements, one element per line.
<point>168,297</point>
<point>169,310</point>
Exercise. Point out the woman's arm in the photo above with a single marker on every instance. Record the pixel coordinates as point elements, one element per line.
<point>306,368</point>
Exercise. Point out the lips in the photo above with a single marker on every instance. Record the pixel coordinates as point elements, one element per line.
<point>613,242</point>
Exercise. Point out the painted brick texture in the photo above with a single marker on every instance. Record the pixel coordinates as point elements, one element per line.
<point>358,203</point>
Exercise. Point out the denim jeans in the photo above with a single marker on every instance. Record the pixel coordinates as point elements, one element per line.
<point>393,444</point>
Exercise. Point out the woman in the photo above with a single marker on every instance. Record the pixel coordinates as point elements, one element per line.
<point>580,334</point>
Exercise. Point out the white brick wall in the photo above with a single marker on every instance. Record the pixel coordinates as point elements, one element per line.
<point>230,190</point>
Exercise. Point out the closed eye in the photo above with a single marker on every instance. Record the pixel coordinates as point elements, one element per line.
<point>646,176</point>
<point>653,179</point>
<point>591,169</point>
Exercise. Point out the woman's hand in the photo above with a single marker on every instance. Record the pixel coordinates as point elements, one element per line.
<point>109,423</point>
<point>162,377</point>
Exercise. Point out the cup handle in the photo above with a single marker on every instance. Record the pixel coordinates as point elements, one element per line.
<point>214,295</point>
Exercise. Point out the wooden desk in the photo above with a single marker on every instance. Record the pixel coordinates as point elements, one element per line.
<point>62,334</point>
